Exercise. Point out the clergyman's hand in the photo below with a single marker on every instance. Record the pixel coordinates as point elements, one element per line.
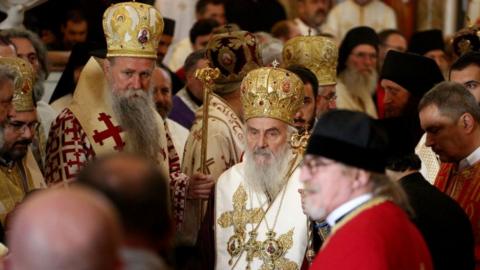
<point>200,186</point>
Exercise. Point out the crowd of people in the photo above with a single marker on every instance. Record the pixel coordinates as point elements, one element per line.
<point>328,141</point>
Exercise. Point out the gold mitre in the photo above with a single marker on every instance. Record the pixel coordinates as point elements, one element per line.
<point>273,93</point>
<point>317,53</point>
<point>24,79</point>
<point>132,29</point>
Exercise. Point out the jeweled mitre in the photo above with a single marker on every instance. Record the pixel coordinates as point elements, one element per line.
<point>132,29</point>
<point>273,93</point>
<point>317,53</point>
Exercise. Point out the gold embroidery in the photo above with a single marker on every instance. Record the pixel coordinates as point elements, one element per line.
<point>271,251</point>
<point>299,141</point>
<point>238,218</point>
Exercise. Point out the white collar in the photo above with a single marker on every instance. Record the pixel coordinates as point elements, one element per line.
<point>346,207</point>
<point>303,27</point>
<point>470,159</point>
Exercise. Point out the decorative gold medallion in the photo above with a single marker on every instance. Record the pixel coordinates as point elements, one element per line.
<point>273,250</point>
<point>299,141</point>
<point>235,244</point>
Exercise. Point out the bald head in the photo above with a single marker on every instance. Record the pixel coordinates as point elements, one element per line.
<point>64,229</point>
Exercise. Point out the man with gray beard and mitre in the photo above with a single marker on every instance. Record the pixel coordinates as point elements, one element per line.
<point>356,71</point>
<point>112,109</point>
<point>262,189</point>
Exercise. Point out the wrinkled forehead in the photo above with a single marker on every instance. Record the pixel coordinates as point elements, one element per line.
<point>266,123</point>
<point>25,116</point>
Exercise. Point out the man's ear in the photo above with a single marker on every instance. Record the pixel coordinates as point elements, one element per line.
<point>467,122</point>
<point>361,178</point>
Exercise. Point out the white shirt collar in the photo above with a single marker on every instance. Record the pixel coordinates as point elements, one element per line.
<point>347,207</point>
<point>303,28</point>
<point>470,160</point>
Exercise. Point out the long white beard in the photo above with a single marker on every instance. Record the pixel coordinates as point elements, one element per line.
<point>358,83</point>
<point>135,112</point>
<point>269,177</point>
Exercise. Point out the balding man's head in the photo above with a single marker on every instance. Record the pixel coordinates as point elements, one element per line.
<point>64,229</point>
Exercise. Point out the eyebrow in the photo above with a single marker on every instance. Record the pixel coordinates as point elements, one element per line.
<point>272,129</point>
<point>470,81</point>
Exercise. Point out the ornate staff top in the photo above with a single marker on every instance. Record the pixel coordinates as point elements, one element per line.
<point>206,76</point>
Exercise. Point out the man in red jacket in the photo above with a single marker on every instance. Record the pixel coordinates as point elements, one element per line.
<point>343,173</point>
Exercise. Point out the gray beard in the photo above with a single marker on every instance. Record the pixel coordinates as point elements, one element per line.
<point>136,115</point>
<point>267,178</point>
<point>358,83</point>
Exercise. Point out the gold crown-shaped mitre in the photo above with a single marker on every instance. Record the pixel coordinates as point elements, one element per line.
<point>273,93</point>
<point>23,83</point>
<point>234,54</point>
<point>132,29</point>
<point>319,54</point>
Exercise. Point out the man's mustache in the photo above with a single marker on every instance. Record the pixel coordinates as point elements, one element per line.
<point>23,142</point>
<point>299,120</point>
<point>262,152</point>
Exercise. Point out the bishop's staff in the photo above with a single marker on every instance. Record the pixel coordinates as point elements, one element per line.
<point>206,76</point>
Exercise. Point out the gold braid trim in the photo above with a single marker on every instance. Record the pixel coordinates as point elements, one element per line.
<point>369,204</point>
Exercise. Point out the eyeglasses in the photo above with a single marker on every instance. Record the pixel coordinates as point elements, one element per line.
<point>364,55</point>
<point>329,97</point>
<point>21,127</point>
<point>313,164</point>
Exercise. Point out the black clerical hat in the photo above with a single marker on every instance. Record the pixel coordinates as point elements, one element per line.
<point>353,138</point>
<point>425,41</point>
<point>169,27</point>
<point>356,36</point>
<point>417,74</point>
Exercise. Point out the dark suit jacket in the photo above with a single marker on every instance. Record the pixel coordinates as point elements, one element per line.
<point>443,224</point>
